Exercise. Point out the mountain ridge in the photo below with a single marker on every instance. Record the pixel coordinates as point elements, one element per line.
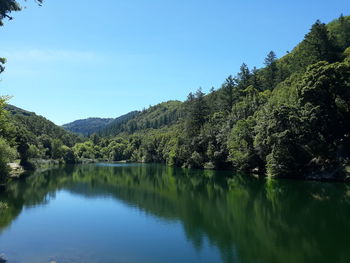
<point>91,125</point>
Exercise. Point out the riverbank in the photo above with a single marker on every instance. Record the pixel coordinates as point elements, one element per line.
<point>17,170</point>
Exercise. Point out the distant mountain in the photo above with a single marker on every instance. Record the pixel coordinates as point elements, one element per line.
<point>89,126</point>
<point>118,122</point>
<point>155,117</point>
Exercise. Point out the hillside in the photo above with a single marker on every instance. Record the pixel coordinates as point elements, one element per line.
<point>155,117</point>
<point>34,126</point>
<point>87,126</point>
<point>31,136</point>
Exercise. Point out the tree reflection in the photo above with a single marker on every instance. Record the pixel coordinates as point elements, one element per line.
<point>247,219</point>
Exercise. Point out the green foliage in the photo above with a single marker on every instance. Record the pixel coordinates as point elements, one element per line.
<point>2,62</point>
<point>196,112</point>
<point>68,155</point>
<point>8,6</point>
<point>155,117</point>
<point>227,95</point>
<point>325,99</point>
<point>271,71</point>
<point>241,145</point>
<point>340,29</point>
<point>7,154</point>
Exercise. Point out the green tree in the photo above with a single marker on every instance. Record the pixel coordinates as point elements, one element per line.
<point>197,112</point>
<point>9,6</point>
<point>243,77</point>
<point>318,45</point>
<point>325,97</point>
<point>241,145</point>
<point>271,71</point>
<point>57,151</point>
<point>2,62</point>
<point>278,141</point>
<point>228,95</point>
<point>341,31</point>
<point>7,154</point>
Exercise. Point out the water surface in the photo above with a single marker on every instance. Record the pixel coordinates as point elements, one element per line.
<point>153,213</point>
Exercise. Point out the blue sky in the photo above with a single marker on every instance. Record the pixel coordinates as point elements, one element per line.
<point>70,60</point>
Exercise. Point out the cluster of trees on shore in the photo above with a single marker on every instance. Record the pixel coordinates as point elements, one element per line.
<point>289,118</point>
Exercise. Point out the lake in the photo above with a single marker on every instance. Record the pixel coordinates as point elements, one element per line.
<point>150,213</point>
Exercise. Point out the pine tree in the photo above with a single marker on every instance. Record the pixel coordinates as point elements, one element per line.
<point>271,71</point>
<point>343,32</point>
<point>243,77</point>
<point>318,45</point>
<point>227,97</point>
<point>197,112</point>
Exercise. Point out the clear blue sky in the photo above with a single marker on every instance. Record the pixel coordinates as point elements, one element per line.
<point>72,59</point>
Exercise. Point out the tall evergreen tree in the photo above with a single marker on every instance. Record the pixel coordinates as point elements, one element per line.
<point>197,112</point>
<point>228,95</point>
<point>256,79</point>
<point>318,45</point>
<point>243,77</point>
<point>343,32</point>
<point>271,71</point>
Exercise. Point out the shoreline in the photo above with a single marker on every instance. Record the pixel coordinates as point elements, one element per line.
<point>17,170</point>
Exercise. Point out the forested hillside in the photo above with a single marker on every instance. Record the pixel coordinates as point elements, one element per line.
<point>34,127</point>
<point>88,126</point>
<point>287,119</point>
<point>155,117</point>
<point>34,137</point>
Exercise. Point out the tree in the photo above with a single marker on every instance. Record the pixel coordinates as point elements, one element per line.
<point>341,30</point>
<point>2,62</point>
<point>318,45</point>
<point>57,151</point>
<point>278,141</point>
<point>23,146</point>
<point>7,154</point>
<point>325,97</point>
<point>9,6</point>
<point>228,95</point>
<point>270,71</point>
<point>197,112</point>
<point>256,79</point>
<point>241,145</point>
<point>243,77</point>
<point>68,155</point>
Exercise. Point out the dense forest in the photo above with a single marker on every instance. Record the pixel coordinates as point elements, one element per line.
<point>287,119</point>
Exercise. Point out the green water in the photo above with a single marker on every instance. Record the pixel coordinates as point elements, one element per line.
<point>153,213</point>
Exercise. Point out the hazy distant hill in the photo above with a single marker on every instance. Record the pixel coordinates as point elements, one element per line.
<point>89,126</point>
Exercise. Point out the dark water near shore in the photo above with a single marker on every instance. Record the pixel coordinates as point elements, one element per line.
<point>153,213</point>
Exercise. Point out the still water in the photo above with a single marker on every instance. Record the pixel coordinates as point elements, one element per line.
<point>157,214</point>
